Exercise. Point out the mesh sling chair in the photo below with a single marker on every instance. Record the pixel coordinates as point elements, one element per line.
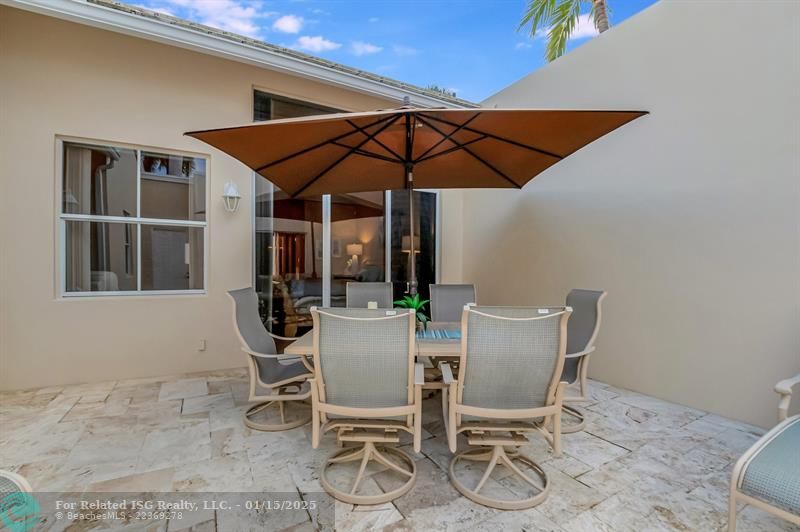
<point>768,474</point>
<point>509,385</point>
<point>582,329</point>
<point>368,389</point>
<point>360,294</point>
<point>285,381</point>
<point>448,301</point>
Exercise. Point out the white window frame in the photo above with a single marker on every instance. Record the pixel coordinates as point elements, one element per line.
<point>62,218</point>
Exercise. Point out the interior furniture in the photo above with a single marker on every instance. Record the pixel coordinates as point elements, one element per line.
<point>448,301</point>
<point>359,295</point>
<point>582,329</point>
<point>509,385</point>
<point>284,379</point>
<point>368,389</point>
<point>768,474</point>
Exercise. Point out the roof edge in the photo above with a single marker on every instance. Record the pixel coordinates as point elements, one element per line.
<point>146,24</point>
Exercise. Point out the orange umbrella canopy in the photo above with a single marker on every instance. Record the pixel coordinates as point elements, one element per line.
<point>443,148</point>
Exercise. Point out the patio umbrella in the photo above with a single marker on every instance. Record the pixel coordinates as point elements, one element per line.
<point>408,147</point>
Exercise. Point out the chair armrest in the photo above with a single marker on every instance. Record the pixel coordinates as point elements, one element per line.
<point>284,338</point>
<point>580,354</point>
<point>784,388</point>
<point>447,373</point>
<point>419,373</point>
<point>264,355</point>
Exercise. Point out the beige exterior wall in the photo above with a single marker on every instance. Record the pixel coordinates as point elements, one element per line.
<point>689,217</point>
<point>60,78</point>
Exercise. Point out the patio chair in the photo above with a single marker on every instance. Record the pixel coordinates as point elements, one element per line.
<point>360,294</point>
<point>582,329</point>
<point>509,385</point>
<point>448,300</point>
<point>12,482</point>
<point>284,381</point>
<point>367,389</point>
<point>768,474</point>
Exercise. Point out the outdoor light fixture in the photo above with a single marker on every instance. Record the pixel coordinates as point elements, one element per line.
<point>231,196</point>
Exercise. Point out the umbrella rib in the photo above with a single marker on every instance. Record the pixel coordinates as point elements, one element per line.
<point>352,150</point>
<point>446,137</point>
<point>457,147</point>
<point>501,139</point>
<point>369,154</point>
<point>378,142</point>
<point>498,172</point>
<point>318,145</point>
<point>476,156</point>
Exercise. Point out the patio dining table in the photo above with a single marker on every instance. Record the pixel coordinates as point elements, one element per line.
<point>439,340</point>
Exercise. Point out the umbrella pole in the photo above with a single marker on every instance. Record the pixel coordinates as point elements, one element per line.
<point>412,285</point>
<point>413,257</point>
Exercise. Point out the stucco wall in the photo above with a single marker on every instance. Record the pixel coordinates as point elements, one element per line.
<point>689,217</point>
<point>60,78</point>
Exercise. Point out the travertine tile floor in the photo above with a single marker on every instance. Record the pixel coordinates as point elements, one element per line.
<point>641,464</point>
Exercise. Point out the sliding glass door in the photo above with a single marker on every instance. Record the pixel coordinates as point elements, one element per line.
<point>307,250</point>
<point>425,239</point>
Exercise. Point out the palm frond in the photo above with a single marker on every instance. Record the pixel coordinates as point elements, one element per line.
<point>537,14</point>
<point>563,22</point>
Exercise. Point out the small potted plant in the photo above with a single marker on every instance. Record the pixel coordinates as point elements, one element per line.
<point>417,304</point>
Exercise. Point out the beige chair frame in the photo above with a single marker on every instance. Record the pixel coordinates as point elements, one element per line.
<point>365,426</point>
<point>583,375</point>
<point>493,437</point>
<point>18,480</point>
<point>784,389</point>
<point>279,391</point>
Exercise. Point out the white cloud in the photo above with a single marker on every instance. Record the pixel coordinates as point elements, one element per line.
<point>229,15</point>
<point>316,44</point>
<point>584,29</point>
<point>404,50</point>
<point>162,10</point>
<point>364,48</point>
<point>373,19</point>
<point>523,45</point>
<point>288,24</point>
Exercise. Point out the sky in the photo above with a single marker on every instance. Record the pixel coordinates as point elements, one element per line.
<point>469,46</point>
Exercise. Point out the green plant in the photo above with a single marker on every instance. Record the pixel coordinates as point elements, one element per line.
<point>417,304</point>
<point>558,19</point>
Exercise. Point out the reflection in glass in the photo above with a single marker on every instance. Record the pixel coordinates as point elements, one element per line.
<point>288,259</point>
<point>357,241</point>
<point>424,242</point>
<point>100,256</point>
<point>99,180</point>
<point>172,257</point>
<point>173,187</point>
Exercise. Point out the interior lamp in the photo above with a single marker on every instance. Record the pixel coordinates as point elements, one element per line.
<point>354,250</point>
<point>231,196</point>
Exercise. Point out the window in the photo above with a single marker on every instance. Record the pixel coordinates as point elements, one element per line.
<point>132,221</point>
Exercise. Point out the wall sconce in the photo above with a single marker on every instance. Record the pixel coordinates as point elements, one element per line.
<point>231,196</point>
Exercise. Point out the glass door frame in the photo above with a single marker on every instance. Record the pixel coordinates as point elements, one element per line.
<point>326,237</point>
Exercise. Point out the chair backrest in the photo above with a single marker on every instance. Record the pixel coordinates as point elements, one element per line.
<point>512,357</point>
<point>448,300</point>
<point>247,322</point>
<point>584,323</point>
<point>364,357</point>
<point>360,294</point>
